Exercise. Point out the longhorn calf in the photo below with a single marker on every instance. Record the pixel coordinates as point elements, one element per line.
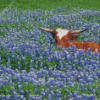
<point>83,45</point>
<point>61,35</point>
<point>64,33</point>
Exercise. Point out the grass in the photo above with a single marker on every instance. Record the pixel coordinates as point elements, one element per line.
<point>30,87</point>
<point>44,5</point>
<point>49,4</point>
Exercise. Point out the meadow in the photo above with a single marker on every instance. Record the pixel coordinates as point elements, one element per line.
<point>32,67</point>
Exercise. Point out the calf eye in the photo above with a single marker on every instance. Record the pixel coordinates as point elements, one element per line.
<point>71,37</point>
<point>55,40</point>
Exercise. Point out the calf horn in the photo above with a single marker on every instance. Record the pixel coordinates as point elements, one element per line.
<point>45,29</point>
<point>79,31</point>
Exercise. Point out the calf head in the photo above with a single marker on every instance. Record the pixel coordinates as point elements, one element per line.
<point>60,34</point>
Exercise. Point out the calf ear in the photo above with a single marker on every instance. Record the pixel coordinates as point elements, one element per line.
<point>73,38</point>
<point>79,31</point>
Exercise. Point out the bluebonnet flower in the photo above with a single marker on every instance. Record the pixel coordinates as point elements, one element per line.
<point>19,88</point>
<point>2,97</point>
<point>35,90</point>
<point>91,97</point>
<point>22,92</point>
<point>42,92</point>
<point>58,93</point>
<point>82,87</point>
<point>98,87</point>
<point>59,8</point>
<point>69,94</point>
<point>0,59</point>
<point>12,89</point>
<point>22,98</point>
<point>15,96</point>
<point>23,58</point>
<point>79,98</point>
<point>8,97</point>
<point>31,62</point>
<point>49,97</point>
<point>19,66</point>
<point>30,66</point>
<point>51,87</point>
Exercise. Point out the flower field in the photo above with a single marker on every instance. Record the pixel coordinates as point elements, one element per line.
<point>32,67</point>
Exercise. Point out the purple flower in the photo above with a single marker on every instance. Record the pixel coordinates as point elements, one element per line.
<point>7,64</point>
<point>76,94</point>
<point>49,97</point>
<point>52,94</point>
<point>79,98</point>
<point>35,90</point>
<point>8,97</point>
<point>46,92</point>
<point>22,98</point>
<point>12,89</point>
<point>0,59</point>
<point>2,97</point>
<point>58,93</point>
<point>70,95</point>
<point>42,92</point>
<point>19,88</point>
<point>91,97</point>
<point>15,96</point>
<point>12,57</point>
<point>23,58</point>
<point>98,87</point>
<point>51,87</point>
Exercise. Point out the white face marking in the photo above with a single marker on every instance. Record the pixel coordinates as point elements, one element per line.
<point>61,32</point>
